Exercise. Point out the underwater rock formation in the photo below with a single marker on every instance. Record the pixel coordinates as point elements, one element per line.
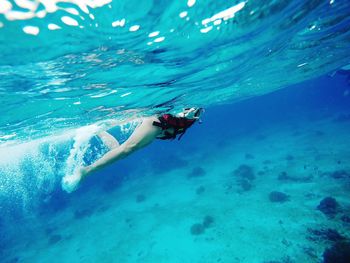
<point>245,184</point>
<point>208,221</point>
<point>340,174</point>
<point>328,206</point>
<point>283,176</point>
<point>339,252</point>
<point>327,234</point>
<point>345,219</point>
<point>244,176</point>
<point>278,197</point>
<point>244,171</point>
<point>196,172</point>
<point>199,228</point>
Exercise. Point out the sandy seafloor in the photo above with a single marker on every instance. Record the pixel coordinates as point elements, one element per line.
<point>148,217</point>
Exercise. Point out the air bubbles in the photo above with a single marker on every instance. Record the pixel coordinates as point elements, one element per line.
<point>217,22</point>
<point>1,24</point>
<point>53,27</point>
<point>31,30</point>
<point>206,29</point>
<point>302,64</point>
<point>225,14</point>
<point>312,27</point>
<point>31,5</point>
<point>125,94</point>
<point>191,3</point>
<point>183,14</point>
<point>159,39</point>
<point>5,6</point>
<point>120,23</point>
<point>134,28</point>
<point>69,21</point>
<point>72,11</point>
<point>153,34</point>
<point>41,14</point>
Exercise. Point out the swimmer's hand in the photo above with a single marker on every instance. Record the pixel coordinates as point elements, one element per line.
<point>70,183</point>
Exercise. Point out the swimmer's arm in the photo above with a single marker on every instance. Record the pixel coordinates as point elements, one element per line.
<point>141,137</point>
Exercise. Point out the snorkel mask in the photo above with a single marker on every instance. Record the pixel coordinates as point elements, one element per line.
<point>190,113</point>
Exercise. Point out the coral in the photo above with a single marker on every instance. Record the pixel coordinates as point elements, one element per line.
<point>244,175</point>
<point>244,171</point>
<point>324,234</point>
<point>338,253</point>
<point>278,197</point>
<point>328,206</point>
<point>340,174</point>
<point>245,184</point>
<point>283,176</point>
<point>208,221</point>
<point>196,172</point>
<point>345,218</point>
<point>199,228</point>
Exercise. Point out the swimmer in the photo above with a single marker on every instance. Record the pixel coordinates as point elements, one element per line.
<point>164,127</point>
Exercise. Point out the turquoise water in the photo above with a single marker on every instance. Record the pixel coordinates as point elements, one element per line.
<point>128,57</point>
<point>246,185</point>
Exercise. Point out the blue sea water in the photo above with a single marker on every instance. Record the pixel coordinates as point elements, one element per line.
<point>254,182</point>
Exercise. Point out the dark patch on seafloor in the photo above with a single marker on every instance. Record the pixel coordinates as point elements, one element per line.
<point>338,174</point>
<point>284,176</point>
<point>245,176</point>
<point>339,252</point>
<point>196,172</point>
<point>324,234</point>
<point>199,228</point>
<point>278,197</point>
<point>329,206</point>
<point>84,212</point>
